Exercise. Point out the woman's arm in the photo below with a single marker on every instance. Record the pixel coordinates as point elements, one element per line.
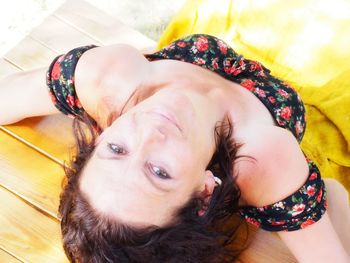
<point>105,78</point>
<point>23,95</point>
<point>282,170</point>
<point>269,244</point>
<point>316,243</point>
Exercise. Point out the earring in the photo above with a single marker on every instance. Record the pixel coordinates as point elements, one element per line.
<point>217,180</point>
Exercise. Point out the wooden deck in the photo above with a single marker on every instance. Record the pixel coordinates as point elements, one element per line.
<point>32,152</point>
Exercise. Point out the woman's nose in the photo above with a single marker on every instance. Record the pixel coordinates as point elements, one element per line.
<point>153,133</point>
<point>149,129</point>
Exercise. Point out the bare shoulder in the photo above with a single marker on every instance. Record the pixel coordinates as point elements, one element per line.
<point>105,77</point>
<point>276,167</point>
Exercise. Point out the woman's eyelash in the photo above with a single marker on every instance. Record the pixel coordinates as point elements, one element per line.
<point>115,148</point>
<point>158,171</point>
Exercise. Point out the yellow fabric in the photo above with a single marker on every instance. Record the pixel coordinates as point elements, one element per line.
<point>306,43</point>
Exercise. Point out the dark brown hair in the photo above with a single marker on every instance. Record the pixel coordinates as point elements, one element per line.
<point>90,237</point>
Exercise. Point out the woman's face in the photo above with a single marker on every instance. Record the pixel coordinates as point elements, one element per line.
<point>152,159</point>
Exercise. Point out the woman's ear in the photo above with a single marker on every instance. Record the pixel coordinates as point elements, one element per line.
<point>208,189</point>
<point>209,183</point>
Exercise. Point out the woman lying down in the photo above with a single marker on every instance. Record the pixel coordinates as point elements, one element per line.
<point>182,140</point>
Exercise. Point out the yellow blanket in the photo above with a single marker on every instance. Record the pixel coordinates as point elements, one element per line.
<point>306,43</point>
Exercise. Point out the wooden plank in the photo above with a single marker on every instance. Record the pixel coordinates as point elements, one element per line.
<point>5,257</point>
<point>30,175</point>
<point>51,134</point>
<point>108,30</point>
<point>59,36</point>
<point>30,54</point>
<point>7,68</point>
<point>266,247</point>
<point>27,233</point>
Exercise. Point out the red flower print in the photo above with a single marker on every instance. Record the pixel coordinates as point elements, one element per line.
<point>248,84</point>
<point>241,63</point>
<point>227,63</point>
<point>202,44</point>
<point>56,71</point>
<point>78,104</point>
<point>260,93</point>
<point>286,113</point>
<point>222,47</point>
<point>181,44</point>
<point>281,122</point>
<point>313,176</point>
<point>319,197</point>
<point>70,100</point>
<point>283,93</point>
<point>235,71</point>
<point>260,73</point>
<point>277,223</point>
<point>307,223</point>
<point>297,209</point>
<point>310,190</point>
<point>200,61</point>
<point>254,66</point>
<point>253,221</point>
<point>271,99</point>
<point>215,64</point>
<point>298,127</point>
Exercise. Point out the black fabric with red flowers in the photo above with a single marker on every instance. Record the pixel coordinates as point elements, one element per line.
<point>299,210</point>
<point>302,208</point>
<point>60,82</point>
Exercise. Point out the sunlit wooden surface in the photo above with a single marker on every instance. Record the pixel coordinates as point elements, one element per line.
<point>32,152</point>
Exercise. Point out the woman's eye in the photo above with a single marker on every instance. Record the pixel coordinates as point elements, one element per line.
<point>160,172</point>
<point>115,148</point>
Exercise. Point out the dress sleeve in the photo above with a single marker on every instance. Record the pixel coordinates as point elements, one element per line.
<point>299,210</point>
<point>60,82</point>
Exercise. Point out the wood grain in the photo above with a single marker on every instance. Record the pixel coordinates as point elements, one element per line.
<point>30,175</point>
<point>59,36</point>
<point>27,233</point>
<point>52,135</point>
<point>5,257</point>
<point>266,247</point>
<point>107,31</point>
<point>7,68</point>
<point>30,54</point>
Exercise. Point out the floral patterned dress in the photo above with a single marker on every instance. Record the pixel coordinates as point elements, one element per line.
<point>300,209</point>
